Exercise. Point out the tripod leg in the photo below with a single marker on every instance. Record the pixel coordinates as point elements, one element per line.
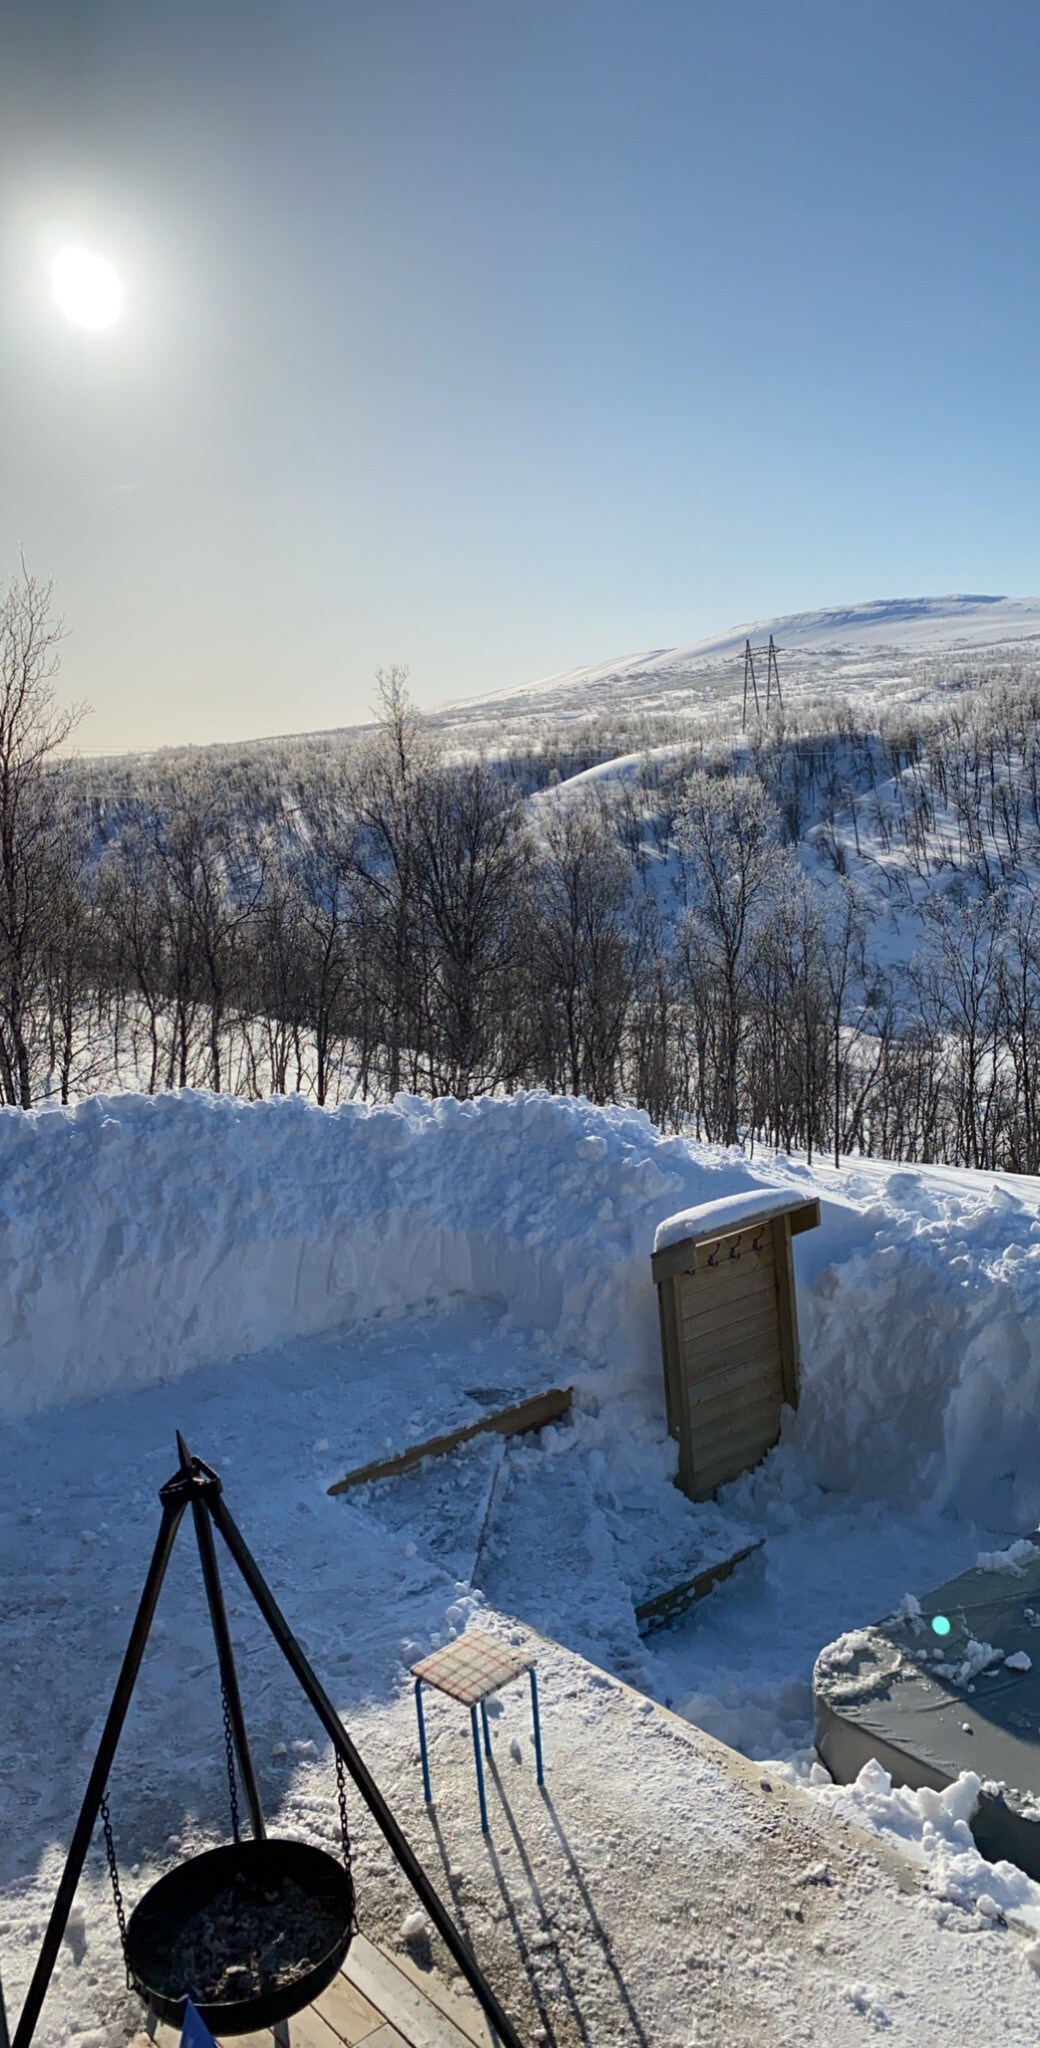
<point>226,1660</point>
<point>80,1843</point>
<point>366,1784</point>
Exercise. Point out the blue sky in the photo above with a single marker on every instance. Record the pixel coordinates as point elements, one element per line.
<point>495,336</point>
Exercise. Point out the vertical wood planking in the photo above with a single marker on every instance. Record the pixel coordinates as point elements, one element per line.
<point>729,1340</point>
<point>786,1308</point>
<point>671,1352</point>
<point>673,1289</point>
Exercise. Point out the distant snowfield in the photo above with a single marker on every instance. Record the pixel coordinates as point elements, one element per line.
<point>300,1290</point>
<point>909,625</point>
<point>894,650</point>
<point>898,649</point>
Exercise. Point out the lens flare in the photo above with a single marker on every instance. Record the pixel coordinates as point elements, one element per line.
<point>86,288</point>
<point>941,1625</point>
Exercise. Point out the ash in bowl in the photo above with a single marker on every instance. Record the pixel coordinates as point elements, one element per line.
<point>249,1939</point>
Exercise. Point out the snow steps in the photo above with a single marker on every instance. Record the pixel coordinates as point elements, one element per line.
<point>667,1607</point>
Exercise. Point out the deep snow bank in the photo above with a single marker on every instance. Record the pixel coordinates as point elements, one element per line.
<point>921,1337</point>
<point>141,1237</point>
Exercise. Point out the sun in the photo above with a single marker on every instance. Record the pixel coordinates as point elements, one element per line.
<point>86,288</point>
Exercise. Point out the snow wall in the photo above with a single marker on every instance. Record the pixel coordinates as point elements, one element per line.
<point>140,1237</point>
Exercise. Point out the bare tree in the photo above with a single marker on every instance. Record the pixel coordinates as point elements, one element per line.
<point>385,799</point>
<point>471,884</point>
<point>32,728</point>
<point>581,954</point>
<point>958,979</point>
<point>728,833</point>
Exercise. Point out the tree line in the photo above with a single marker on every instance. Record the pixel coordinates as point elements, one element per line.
<point>389,916</point>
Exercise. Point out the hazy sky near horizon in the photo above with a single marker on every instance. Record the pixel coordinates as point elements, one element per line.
<point>496,336</point>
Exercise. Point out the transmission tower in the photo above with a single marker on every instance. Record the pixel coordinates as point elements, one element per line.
<point>769,654</point>
<point>749,677</point>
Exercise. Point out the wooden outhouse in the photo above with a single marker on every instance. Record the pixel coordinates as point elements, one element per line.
<point>729,1330</point>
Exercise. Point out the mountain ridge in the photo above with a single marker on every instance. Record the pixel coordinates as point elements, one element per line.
<point>887,646</point>
<point>923,618</point>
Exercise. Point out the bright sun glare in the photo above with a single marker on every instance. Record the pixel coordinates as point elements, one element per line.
<point>86,288</point>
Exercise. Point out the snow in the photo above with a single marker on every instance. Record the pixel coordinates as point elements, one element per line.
<point>895,650</point>
<point>302,1290</point>
<point>141,1237</point>
<point>977,1657</point>
<point>932,1829</point>
<point>715,1218</point>
<point>415,1927</point>
<point>908,625</point>
<point>905,623</point>
<point>1013,1561</point>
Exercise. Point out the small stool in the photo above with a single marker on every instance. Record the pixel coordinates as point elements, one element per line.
<point>470,1670</point>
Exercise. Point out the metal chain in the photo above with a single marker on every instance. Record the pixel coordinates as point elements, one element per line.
<point>117,1889</point>
<point>344,1828</point>
<point>229,1746</point>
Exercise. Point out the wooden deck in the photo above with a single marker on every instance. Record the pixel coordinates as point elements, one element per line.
<point>379,2000</point>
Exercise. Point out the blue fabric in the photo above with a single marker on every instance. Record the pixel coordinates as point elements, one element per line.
<point>195,2033</point>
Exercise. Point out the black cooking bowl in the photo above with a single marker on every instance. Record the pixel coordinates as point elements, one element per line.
<point>162,1915</point>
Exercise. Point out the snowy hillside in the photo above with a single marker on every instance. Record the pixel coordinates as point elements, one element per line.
<point>911,625</point>
<point>889,651</point>
<point>886,651</point>
<point>553,912</point>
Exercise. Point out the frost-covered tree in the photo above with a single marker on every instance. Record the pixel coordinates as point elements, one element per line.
<point>727,835</point>
<point>33,863</point>
<point>580,982</point>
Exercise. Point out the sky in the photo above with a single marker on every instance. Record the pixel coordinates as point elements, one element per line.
<point>491,337</point>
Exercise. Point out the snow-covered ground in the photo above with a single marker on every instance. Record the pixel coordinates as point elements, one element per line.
<point>889,652</point>
<point>882,653</point>
<point>301,1290</point>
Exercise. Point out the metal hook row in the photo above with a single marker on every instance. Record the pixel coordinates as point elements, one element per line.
<point>734,1253</point>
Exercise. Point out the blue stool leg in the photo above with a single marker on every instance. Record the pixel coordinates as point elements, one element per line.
<point>487,1731</point>
<point>422,1743</point>
<point>537,1726</point>
<point>480,1771</point>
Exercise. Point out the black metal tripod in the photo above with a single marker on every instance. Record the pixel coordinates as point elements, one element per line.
<point>197,1486</point>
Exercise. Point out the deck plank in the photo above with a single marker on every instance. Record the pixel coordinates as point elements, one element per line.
<point>352,2016</point>
<point>378,1977</point>
<point>377,2000</point>
<point>458,2006</point>
<point>307,2029</point>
